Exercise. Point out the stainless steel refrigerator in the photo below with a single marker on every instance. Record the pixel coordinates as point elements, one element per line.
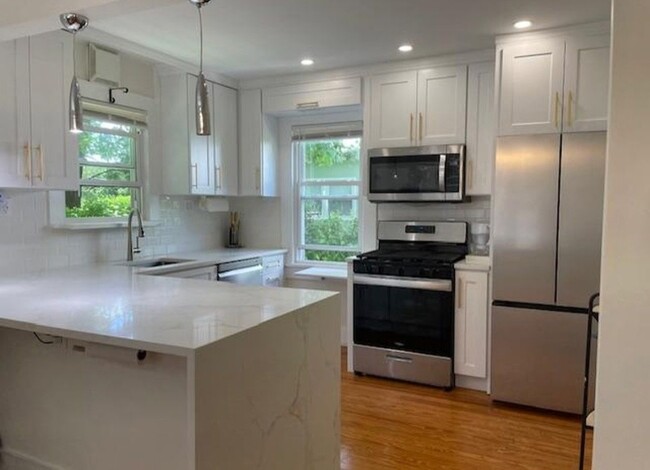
<point>548,206</point>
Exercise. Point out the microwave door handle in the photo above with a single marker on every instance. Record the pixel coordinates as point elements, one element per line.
<point>441,173</point>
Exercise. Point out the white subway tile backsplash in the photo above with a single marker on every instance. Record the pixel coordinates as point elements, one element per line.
<point>28,244</point>
<point>476,210</point>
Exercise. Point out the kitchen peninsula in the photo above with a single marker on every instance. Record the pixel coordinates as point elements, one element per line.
<point>104,368</point>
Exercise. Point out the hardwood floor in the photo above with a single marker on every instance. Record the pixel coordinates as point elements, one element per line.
<point>399,426</point>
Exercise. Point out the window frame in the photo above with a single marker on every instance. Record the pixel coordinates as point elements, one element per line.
<point>299,247</point>
<point>139,136</point>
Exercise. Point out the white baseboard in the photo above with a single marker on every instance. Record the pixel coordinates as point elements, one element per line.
<point>473,383</point>
<point>14,460</point>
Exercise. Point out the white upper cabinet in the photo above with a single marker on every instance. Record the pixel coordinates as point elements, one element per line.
<point>441,103</point>
<point>226,144</point>
<point>54,148</point>
<point>201,147</point>
<point>15,162</point>
<point>586,84</point>
<point>481,134</point>
<point>471,328</point>
<point>531,88</point>
<point>555,85</point>
<point>328,94</point>
<point>393,108</point>
<point>258,147</point>
<point>426,107</point>
<point>36,149</point>
<point>198,164</point>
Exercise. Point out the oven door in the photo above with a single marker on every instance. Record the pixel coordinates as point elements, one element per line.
<point>406,314</point>
<point>410,175</point>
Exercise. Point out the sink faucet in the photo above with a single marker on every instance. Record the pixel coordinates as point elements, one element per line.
<point>129,248</point>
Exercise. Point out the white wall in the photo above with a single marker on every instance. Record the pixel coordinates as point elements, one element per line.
<point>623,384</point>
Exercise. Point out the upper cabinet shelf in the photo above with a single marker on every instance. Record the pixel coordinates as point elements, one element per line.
<point>553,85</point>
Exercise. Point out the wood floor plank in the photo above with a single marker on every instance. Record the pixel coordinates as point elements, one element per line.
<point>390,425</point>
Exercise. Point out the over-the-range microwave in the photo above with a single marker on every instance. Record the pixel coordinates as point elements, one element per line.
<point>417,174</point>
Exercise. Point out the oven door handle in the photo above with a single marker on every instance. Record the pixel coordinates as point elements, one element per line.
<point>406,283</point>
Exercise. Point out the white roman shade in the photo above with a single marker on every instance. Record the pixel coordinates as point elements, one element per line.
<point>339,130</point>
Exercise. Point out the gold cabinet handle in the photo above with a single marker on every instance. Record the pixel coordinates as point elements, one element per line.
<point>459,297</point>
<point>411,128</point>
<point>470,174</point>
<point>27,161</point>
<point>557,110</point>
<point>41,163</point>
<point>570,110</point>
<point>420,126</point>
<point>195,175</point>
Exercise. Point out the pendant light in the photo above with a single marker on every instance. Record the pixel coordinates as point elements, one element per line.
<point>73,23</point>
<point>202,105</point>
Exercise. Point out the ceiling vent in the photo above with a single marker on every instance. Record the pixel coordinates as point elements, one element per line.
<point>103,65</point>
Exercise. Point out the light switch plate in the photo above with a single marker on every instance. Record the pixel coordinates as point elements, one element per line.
<point>5,207</point>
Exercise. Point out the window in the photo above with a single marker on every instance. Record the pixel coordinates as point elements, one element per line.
<point>328,169</point>
<point>109,176</point>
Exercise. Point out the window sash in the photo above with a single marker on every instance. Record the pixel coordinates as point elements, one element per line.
<point>300,246</point>
<point>347,249</point>
<point>111,183</point>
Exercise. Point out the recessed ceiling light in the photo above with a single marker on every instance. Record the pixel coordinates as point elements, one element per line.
<point>307,62</point>
<point>405,48</point>
<point>523,24</point>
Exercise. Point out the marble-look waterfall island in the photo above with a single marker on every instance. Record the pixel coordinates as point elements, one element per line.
<point>103,368</point>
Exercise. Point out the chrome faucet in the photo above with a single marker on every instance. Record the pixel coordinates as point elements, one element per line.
<point>130,250</point>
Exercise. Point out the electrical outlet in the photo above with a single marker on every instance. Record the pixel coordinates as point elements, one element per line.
<point>5,207</point>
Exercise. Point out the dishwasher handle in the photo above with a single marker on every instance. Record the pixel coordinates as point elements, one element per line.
<point>239,271</point>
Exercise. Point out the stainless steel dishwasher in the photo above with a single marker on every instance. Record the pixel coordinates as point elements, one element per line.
<point>245,272</point>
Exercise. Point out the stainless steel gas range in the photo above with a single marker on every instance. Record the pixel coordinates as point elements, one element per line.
<point>403,315</point>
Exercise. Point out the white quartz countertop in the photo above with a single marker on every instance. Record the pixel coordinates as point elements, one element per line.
<point>474,263</point>
<point>115,305</point>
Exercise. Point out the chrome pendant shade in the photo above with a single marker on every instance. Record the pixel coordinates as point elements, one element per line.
<point>202,99</point>
<point>202,107</point>
<point>73,23</point>
<point>76,121</point>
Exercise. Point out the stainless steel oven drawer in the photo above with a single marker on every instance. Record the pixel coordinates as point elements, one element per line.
<point>412,367</point>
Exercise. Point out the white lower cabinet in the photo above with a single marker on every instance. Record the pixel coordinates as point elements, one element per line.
<point>471,328</point>
<point>273,274</point>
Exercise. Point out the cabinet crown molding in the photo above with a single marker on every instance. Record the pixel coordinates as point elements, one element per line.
<point>587,29</point>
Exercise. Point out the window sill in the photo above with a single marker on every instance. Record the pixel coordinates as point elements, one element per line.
<point>100,225</point>
<point>338,274</point>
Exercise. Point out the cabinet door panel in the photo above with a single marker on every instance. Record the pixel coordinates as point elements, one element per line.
<point>14,139</point>
<point>201,151</point>
<point>480,129</point>
<point>442,104</point>
<point>250,144</point>
<point>54,148</point>
<point>226,146</point>
<point>531,88</point>
<point>586,84</point>
<point>471,324</point>
<point>393,107</point>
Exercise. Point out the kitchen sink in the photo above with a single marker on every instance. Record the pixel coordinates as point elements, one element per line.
<point>155,263</point>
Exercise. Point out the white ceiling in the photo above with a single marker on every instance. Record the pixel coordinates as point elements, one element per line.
<point>255,38</point>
